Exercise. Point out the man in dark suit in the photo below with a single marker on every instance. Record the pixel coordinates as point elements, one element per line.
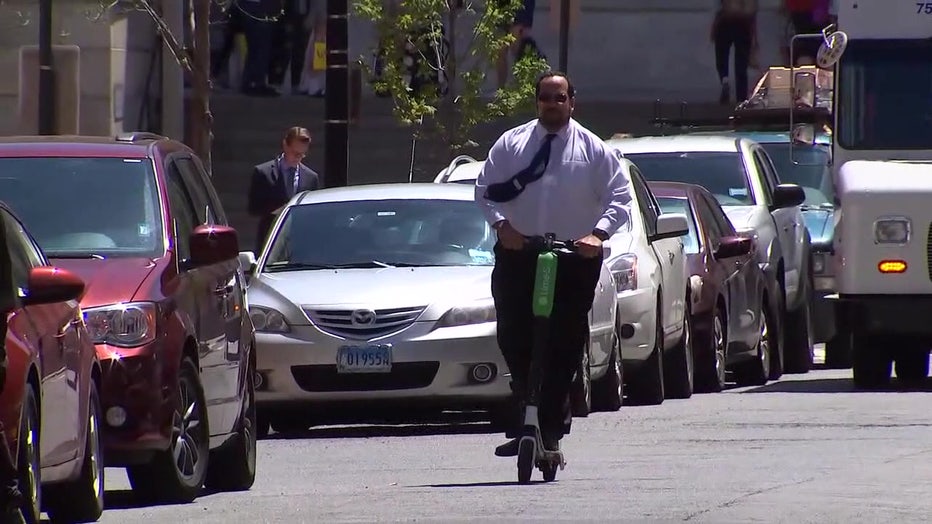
<point>276,181</point>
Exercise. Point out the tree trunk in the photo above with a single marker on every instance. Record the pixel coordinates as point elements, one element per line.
<point>200,107</point>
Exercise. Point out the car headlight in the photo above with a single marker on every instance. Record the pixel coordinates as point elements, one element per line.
<point>477,313</point>
<point>625,272</point>
<point>268,320</point>
<point>892,230</point>
<point>126,325</point>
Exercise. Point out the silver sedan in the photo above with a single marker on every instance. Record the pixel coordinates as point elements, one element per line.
<point>378,298</point>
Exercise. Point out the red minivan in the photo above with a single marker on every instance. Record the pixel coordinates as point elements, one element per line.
<point>137,218</point>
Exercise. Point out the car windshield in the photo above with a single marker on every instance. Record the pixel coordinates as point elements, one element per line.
<point>722,173</point>
<point>681,205</point>
<point>85,207</point>
<point>883,95</point>
<point>382,233</point>
<point>808,168</point>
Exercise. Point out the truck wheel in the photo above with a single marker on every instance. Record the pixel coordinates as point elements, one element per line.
<point>911,362</point>
<point>872,362</point>
<point>838,349</point>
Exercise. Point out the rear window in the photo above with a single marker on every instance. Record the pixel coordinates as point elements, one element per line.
<point>722,173</point>
<point>76,207</point>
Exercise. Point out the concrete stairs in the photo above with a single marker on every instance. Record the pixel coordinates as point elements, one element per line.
<point>248,131</point>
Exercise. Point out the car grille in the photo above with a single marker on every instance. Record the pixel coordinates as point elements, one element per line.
<point>361,324</point>
<point>404,375</point>
<point>929,252</point>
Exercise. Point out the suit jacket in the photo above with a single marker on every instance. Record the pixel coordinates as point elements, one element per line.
<point>268,191</point>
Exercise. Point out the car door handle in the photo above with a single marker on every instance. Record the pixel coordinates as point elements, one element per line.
<point>670,256</point>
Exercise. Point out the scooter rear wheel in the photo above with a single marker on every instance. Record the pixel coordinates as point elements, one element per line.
<point>526,454</point>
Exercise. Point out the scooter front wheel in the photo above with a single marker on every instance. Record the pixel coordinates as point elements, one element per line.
<point>526,455</point>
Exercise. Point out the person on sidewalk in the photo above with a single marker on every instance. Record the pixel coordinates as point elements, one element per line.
<point>521,29</point>
<point>258,23</point>
<point>274,182</point>
<point>807,17</point>
<point>734,25</point>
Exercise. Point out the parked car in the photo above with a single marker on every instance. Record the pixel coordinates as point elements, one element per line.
<point>809,166</point>
<point>50,403</point>
<point>137,218</point>
<point>463,169</point>
<point>379,297</point>
<point>730,311</point>
<point>647,260</point>
<point>739,173</point>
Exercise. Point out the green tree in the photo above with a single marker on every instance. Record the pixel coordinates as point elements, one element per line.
<point>450,116</point>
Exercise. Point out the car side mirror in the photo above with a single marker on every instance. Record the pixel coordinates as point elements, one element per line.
<point>247,261</point>
<point>47,285</point>
<point>211,244</point>
<point>670,225</point>
<point>736,246</point>
<point>788,195</point>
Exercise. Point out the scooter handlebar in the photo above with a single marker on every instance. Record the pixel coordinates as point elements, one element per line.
<point>550,243</point>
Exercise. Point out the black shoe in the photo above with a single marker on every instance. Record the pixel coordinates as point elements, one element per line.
<point>508,449</point>
<point>551,444</point>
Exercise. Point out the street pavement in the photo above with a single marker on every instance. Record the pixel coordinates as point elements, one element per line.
<point>803,449</point>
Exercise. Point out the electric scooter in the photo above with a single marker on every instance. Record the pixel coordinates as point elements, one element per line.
<point>531,451</point>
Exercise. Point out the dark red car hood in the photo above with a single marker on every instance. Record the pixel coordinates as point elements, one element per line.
<point>108,281</point>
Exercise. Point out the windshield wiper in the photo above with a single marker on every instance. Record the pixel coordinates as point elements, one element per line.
<point>292,266</point>
<point>75,256</point>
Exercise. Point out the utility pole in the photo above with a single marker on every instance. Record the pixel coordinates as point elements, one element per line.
<point>46,71</point>
<point>336,112</point>
<point>564,34</point>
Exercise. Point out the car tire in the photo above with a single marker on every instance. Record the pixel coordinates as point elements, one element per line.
<point>28,466</point>
<point>608,391</point>
<point>872,363</point>
<point>82,500</point>
<point>710,376</point>
<point>233,466</point>
<point>161,479</point>
<point>756,371</point>
<point>798,344</point>
<point>647,387</point>
<point>581,392</point>
<point>679,363</point>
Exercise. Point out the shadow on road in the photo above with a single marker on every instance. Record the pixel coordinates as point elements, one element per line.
<point>127,499</point>
<point>837,385</point>
<point>379,430</point>
<point>480,484</point>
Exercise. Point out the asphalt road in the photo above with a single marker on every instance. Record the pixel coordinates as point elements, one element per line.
<point>804,449</point>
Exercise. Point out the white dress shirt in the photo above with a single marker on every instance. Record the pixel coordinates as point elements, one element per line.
<point>584,186</point>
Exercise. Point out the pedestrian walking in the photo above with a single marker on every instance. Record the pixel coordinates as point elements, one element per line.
<point>550,175</point>
<point>258,21</point>
<point>274,182</point>
<point>807,17</point>
<point>11,499</point>
<point>734,26</point>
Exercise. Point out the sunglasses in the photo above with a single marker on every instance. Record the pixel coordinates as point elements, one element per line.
<point>559,98</point>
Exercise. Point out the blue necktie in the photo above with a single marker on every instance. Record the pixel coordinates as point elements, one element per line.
<point>510,189</point>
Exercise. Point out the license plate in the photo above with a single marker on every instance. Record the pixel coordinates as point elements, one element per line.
<point>364,359</point>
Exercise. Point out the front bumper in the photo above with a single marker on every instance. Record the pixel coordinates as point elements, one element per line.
<point>905,315</point>
<point>431,367</point>
<point>637,309</point>
<point>136,401</point>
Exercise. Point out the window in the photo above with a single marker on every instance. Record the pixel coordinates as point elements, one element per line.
<point>882,95</point>
<point>810,169</point>
<point>23,255</point>
<point>206,199</point>
<point>644,202</point>
<point>182,212</point>
<point>681,205</point>
<point>722,173</point>
<point>722,222</point>
<point>80,206</point>
<point>375,233</point>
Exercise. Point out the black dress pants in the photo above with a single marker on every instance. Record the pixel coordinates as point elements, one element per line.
<point>512,289</point>
<point>734,32</point>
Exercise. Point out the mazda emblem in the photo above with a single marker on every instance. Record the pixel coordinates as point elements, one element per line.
<point>362,317</point>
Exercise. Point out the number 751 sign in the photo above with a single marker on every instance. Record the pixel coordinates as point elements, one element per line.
<point>924,8</point>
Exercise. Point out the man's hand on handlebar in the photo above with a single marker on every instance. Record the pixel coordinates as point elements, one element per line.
<point>589,246</point>
<point>509,237</point>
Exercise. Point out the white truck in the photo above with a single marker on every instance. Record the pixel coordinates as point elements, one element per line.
<point>882,151</point>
